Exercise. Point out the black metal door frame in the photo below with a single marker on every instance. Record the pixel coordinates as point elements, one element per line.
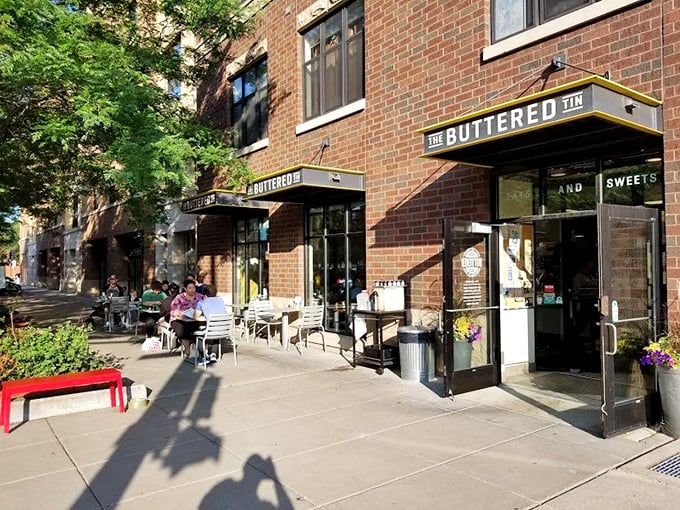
<point>481,376</point>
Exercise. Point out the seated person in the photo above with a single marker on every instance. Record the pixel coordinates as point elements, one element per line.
<point>134,306</point>
<point>113,289</point>
<point>356,289</point>
<point>212,304</point>
<point>173,290</point>
<point>152,299</point>
<point>181,314</point>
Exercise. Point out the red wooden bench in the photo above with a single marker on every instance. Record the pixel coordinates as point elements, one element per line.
<point>12,389</point>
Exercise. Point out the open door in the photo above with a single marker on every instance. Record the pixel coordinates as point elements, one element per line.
<point>629,301</point>
<point>470,308</point>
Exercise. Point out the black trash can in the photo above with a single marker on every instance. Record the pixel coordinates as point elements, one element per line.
<point>416,353</point>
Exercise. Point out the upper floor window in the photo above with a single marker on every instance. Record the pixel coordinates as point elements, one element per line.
<point>334,61</point>
<point>174,85</point>
<point>513,16</point>
<point>249,107</point>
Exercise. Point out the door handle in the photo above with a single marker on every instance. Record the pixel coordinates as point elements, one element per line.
<point>616,338</point>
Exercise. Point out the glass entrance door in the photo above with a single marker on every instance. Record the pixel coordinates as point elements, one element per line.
<point>471,309</point>
<point>629,300</point>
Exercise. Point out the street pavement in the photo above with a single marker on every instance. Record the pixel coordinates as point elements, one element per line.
<point>288,431</point>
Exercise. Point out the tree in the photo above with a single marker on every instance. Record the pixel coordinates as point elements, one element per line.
<point>80,106</point>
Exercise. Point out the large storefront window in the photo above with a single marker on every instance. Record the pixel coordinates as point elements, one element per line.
<point>625,183</point>
<point>336,241</point>
<point>570,188</point>
<point>252,266</point>
<point>518,194</point>
<point>580,187</point>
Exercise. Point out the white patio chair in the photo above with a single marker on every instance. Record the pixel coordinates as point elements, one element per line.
<point>218,327</point>
<point>311,320</point>
<point>167,334</point>
<point>265,318</point>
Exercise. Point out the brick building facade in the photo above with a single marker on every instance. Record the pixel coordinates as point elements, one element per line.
<point>423,64</point>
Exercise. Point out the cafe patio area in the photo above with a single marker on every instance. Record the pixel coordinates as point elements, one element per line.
<point>281,430</point>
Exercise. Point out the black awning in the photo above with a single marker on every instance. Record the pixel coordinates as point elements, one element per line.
<point>579,120</point>
<point>308,184</point>
<point>217,201</point>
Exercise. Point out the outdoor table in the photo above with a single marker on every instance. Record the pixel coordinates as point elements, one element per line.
<point>285,313</point>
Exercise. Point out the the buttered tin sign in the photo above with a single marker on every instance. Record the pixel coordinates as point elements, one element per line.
<point>597,98</point>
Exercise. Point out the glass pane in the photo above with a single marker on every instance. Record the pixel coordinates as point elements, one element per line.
<point>312,103</point>
<point>337,284</point>
<point>311,43</point>
<point>357,257</point>
<point>240,231</point>
<point>316,221</point>
<point>335,219</point>
<point>357,217</point>
<point>332,80</point>
<point>262,75</point>
<point>633,184</point>
<point>355,69</point>
<point>471,291</point>
<point>555,8</point>
<point>264,230</point>
<point>253,229</point>
<point>518,194</point>
<point>241,275</point>
<point>237,90</point>
<point>253,271</point>
<point>570,189</point>
<point>237,125</point>
<point>355,19</point>
<point>318,279</point>
<point>509,17</point>
<point>631,282</point>
<point>250,123</point>
<point>250,83</point>
<point>333,32</point>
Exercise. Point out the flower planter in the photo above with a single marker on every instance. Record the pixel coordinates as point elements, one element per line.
<point>669,390</point>
<point>462,354</point>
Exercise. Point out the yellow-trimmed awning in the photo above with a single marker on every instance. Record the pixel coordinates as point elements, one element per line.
<point>224,202</point>
<point>588,117</point>
<point>308,183</point>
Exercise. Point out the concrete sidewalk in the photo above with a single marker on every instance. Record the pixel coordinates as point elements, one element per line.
<point>288,431</point>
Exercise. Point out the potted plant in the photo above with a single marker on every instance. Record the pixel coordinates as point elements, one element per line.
<point>466,332</point>
<point>664,354</point>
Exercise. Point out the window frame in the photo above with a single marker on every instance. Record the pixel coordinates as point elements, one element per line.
<point>587,14</point>
<point>535,15</point>
<point>320,106</point>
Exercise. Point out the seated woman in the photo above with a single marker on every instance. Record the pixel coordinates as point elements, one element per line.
<point>212,304</point>
<point>181,314</point>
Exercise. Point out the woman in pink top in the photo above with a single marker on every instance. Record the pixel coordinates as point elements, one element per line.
<point>181,321</point>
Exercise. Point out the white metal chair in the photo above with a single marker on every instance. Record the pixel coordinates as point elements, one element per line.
<point>311,320</point>
<point>258,317</point>
<point>118,305</point>
<point>218,327</point>
<point>167,334</point>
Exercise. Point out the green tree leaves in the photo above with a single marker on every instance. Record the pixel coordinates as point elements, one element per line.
<point>81,109</point>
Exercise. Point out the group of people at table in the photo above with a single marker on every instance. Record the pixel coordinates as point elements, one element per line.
<point>184,309</point>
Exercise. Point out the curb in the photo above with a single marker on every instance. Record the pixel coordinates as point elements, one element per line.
<point>36,408</point>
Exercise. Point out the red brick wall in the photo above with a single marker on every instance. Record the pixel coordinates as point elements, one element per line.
<point>423,66</point>
<point>214,250</point>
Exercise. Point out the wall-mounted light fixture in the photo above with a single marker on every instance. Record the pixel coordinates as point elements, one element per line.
<point>558,172</point>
